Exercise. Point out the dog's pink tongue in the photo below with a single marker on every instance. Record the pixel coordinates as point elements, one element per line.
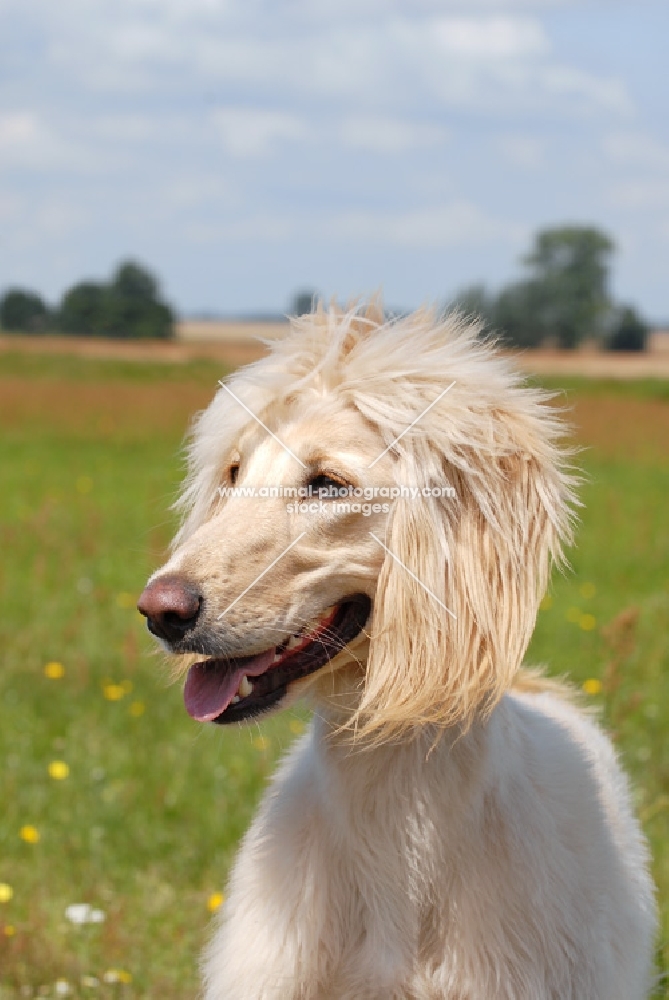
<point>208,691</point>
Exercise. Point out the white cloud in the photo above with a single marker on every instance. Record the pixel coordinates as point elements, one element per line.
<point>269,228</point>
<point>652,193</point>
<point>18,130</point>
<point>371,55</point>
<point>250,132</point>
<point>26,141</point>
<point>457,224</point>
<point>591,92</point>
<point>489,37</point>
<point>194,189</point>
<point>524,151</point>
<point>441,226</point>
<point>379,134</point>
<point>637,149</point>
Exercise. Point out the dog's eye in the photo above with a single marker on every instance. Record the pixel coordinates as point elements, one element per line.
<point>325,482</point>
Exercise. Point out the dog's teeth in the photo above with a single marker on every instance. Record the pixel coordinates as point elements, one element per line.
<point>235,700</point>
<point>245,687</point>
<point>293,642</point>
<point>277,656</point>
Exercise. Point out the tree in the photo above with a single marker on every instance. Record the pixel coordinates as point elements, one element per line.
<point>476,301</point>
<point>83,310</point>
<point>516,315</point>
<point>132,281</point>
<point>128,307</point>
<point>302,302</point>
<point>569,269</point>
<point>630,332</point>
<point>23,311</point>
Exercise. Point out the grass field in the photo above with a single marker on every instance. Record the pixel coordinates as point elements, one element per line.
<point>111,795</point>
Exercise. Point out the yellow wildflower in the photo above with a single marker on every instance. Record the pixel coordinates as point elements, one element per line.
<point>113,692</point>
<point>588,590</point>
<point>261,743</point>
<point>296,726</point>
<point>29,833</point>
<point>54,670</point>
<point>59,770</point>
<point>215,901</point>
<point>587,622</point>
<point>592,686</point>
<point>137,708</point>
<point>6,892</point>
<point>84,484</point>
<point>10,930</point>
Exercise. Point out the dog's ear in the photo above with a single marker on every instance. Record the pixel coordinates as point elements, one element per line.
<point>461,583</point>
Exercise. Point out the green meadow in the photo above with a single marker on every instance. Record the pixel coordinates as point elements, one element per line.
<point>111,796</point>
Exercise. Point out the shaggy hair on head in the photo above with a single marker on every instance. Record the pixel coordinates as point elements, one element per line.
<point>486,556</point>
<point>452,826</point>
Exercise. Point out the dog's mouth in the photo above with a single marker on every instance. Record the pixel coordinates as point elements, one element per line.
<point>224,690</point>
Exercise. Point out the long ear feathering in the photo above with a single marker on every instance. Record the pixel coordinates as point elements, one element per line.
<point>459,590</point>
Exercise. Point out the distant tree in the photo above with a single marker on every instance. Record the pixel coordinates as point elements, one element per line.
<point>569,270</point>
<point>515,315</point>
<point>475,300</point>
<point>83,310</point>
<point>564,299</point>
<point>23,311</point>
<point>133,307</point>
<point>630,332</point>
<point>133,281</point>
<point>302,302</point>
<point>128,307</point>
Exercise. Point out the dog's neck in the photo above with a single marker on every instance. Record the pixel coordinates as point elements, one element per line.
<point>402,776</point>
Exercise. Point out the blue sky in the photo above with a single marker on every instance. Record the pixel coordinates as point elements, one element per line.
<point>248,148</point>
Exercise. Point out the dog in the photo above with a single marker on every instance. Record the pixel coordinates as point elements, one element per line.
<point>369,521</point>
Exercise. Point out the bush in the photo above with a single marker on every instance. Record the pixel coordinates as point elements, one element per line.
<point>129,307</point>
<point>23,311</point>
<point>303,302</point>
<point>83,309</point>
<point>475,301</point>
<point>517,313</point>
<point>630,331</point>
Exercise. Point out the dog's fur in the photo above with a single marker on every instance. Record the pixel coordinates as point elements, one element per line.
<point>448,827</point>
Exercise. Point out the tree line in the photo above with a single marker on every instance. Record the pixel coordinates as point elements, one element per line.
<point>564,298</point>
<point>128,306</point>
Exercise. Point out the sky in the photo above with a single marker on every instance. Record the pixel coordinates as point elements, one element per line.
<point>246,149</point>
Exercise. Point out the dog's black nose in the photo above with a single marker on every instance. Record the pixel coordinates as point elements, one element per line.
<point>171,607</point>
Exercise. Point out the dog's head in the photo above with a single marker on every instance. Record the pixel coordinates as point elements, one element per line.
<point>371,513</point>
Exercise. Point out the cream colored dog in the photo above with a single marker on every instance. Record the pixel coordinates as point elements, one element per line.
<point>448,827</point>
